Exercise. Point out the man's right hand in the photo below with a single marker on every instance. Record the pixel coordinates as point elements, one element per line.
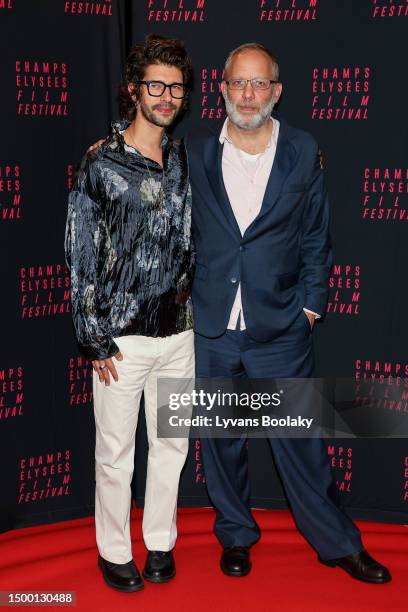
<point>96,145</point>
<point>105,368</point>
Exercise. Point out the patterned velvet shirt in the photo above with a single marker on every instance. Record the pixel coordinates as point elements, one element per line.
<point>129,253</point>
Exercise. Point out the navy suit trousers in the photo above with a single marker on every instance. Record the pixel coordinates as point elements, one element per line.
<point>302,463</point>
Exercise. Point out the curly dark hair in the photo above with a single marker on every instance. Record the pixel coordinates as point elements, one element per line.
<point>155,50</point>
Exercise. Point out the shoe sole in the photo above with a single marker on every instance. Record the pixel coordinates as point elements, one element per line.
<point>158,580</point>
<point>112,585</point>
<point>235,574</point>
<point>361,579</point>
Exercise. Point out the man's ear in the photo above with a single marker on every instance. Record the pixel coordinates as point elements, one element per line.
<point>132,93</point>
<point>278,91</point>
<point>223,88</point>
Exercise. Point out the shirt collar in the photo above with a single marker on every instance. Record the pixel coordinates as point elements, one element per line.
<point>121,124</point>
<point>224,136</point>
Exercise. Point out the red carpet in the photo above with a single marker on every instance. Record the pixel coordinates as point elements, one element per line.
<point>285,573</point>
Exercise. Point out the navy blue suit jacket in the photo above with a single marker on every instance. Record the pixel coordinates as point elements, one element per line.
<point>282,261</point>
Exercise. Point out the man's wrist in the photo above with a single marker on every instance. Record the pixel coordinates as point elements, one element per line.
<point>315,314</point>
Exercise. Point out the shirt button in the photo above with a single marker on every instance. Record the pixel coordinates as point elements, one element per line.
<point>233,280</point>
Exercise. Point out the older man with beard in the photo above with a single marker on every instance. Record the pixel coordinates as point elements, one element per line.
<point>261,230</point>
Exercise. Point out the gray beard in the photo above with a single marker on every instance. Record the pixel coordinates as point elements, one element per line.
<point>253,123</point>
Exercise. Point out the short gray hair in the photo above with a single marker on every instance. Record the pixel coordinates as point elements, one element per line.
<point>253,47</point>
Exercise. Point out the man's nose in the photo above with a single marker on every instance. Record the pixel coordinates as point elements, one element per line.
<point>166,95</point>
<point>248,91</point>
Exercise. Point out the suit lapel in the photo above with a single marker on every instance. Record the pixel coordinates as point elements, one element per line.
<point>213,166</point>
<point>281,167</point>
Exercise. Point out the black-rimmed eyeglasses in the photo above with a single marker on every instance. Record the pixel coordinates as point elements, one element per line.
<point>157,88</point>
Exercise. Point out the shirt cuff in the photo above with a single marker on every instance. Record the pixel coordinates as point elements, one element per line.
<point>317,316</point>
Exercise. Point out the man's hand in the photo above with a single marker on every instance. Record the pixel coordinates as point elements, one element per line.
<point>95,145</point>
<point>311,318</point>
<point>105,367</point>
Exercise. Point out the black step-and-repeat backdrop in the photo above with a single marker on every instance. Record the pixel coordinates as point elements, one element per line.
<point>344,75</point>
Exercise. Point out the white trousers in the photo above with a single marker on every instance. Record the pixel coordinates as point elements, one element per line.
<point>116,409</point>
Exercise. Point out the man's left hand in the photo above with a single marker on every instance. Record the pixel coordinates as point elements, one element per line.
<point>311,318</point>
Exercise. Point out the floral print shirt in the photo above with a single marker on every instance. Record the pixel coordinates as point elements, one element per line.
<point>129,251</point>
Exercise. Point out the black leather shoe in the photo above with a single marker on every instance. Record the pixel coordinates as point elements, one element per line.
<point>235,561</point>
<point>122,576</point>
<point>160,566</point>
<point>362,567</point>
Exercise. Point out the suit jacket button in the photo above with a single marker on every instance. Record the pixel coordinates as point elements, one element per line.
<point>241,248</point>
<point>233,280</point>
